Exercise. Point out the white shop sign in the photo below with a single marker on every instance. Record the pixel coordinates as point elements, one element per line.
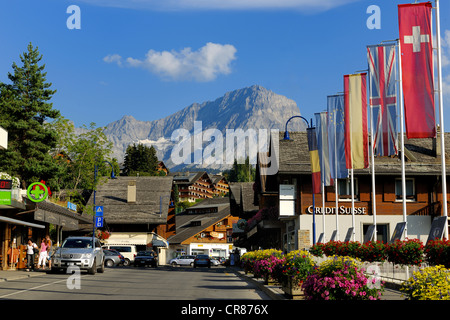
<point>342,210</point>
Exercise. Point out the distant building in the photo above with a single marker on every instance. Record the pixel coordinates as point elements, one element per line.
<point>137,211</point>
<point>204,228</point>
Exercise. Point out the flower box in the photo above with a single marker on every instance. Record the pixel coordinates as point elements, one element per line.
<point>292,289</point>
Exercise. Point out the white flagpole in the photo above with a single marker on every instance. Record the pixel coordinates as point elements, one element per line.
<point>441,118</point>
<point>353,203</point>
<point>336,184</point>
<point>374,205</point>
<point>402,138</point>
<point>323,210</point>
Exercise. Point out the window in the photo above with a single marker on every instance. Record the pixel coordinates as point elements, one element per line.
<point>345,191</point>
<point>382,232</point>
<point>410,190</point>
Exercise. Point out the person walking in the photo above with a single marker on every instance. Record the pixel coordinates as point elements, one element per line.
<point>49,251</point>
<point>42,254</point>
<point>31,247</point>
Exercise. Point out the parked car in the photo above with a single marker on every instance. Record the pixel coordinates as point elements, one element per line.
<point>146,258</point>
<point>128,251</point>
<point>113,258</point>
<point>215,262</point>
<point>186,260</point>
<point>202,260</point>
<point>83,252</point>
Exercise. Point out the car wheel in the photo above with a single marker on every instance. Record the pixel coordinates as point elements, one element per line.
<point>174,264</point>
<point>93,268</point>
<point>127,262</point>
<point>191,264</point>
<point>109,263</point>
<point>102,267</point>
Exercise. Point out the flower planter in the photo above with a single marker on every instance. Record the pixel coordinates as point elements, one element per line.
<point>292,289</point>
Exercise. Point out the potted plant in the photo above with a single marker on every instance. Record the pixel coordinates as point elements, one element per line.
<point>340,278</point>
<point>298,265</point>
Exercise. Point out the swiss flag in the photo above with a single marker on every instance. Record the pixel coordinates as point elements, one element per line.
<point>417,69</point>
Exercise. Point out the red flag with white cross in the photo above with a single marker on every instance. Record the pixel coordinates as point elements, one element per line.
<point>417,69</point>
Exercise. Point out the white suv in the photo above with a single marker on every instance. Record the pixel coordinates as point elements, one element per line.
<point>80,252</point>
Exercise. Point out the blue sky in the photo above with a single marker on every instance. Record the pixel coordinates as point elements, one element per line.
<point>151,58</point>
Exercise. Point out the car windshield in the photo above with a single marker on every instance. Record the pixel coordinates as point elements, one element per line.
<point>77,243</point>
<point>202,256</point>
<point>145,253</point>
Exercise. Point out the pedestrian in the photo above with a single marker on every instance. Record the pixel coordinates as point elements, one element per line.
<point>49,251</point>
<point>32,248</point>
<point>42,254</point>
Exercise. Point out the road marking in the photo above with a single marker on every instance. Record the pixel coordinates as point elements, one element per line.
<point>34,288</point>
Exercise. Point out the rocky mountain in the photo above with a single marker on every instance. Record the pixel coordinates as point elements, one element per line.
<point>249,109</point>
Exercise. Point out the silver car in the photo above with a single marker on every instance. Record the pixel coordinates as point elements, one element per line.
<point>83,252</point>
<point>186,260</point>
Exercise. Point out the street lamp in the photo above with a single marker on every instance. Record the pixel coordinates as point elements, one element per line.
<point>286,137</point>
<point>113,176</point>
<point>286,132</point>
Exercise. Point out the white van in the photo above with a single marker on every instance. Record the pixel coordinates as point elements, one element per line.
<point>127,250</point>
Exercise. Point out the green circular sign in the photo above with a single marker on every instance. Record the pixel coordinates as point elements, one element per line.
<point>37,195</point>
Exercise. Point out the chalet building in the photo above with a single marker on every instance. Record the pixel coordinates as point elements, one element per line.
<point>291,222</point>
<point>194,186</point>
<point>204,228</point>
<point>220,185</point>
<point>137,211</point>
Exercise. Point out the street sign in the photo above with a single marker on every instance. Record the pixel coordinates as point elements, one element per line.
<point>99,211</point>
<point>99,222</point>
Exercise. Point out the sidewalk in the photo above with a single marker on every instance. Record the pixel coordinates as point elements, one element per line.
<point>9,275</point>
<point>276,293</point>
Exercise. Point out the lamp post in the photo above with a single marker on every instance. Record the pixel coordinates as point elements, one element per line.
<point>113,176</point>
<point>286,137</point>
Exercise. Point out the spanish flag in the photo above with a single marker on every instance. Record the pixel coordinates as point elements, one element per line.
<point>315,162</point>
<point>355,114</point>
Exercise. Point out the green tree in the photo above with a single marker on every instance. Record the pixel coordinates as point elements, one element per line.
<point>24,107</point>
<point>241,172</point>
<point>140,159</point>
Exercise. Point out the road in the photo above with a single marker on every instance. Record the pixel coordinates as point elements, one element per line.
<point>129,283</point>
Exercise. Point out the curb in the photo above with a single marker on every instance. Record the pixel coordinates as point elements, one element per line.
<point>274,292</point>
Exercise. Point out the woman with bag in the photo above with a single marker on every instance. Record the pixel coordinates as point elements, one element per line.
<point>32,249</point>
<point>42,254</point>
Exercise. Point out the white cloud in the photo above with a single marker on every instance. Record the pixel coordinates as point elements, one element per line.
<point>113,58</point>
<point>175,5</point>
<point>205,64</point>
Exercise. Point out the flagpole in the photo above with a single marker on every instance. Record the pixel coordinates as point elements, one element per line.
<point>402,138</point>
<point>353,202</point>
<point>336,178</point>
<point>441,118</point>
<point>374,205</point>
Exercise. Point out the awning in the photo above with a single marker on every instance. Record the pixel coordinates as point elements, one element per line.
<point>159,243</point>
<point>20,222</point>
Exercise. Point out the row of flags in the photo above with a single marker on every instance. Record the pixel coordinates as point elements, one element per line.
<point>339,142</point>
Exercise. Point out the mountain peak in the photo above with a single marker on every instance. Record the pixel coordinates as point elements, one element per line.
<point>253,107</point>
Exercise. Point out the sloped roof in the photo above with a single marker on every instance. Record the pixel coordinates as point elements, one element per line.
<point>185,229</point>
<point>420,157</point>
<point>151,192</point>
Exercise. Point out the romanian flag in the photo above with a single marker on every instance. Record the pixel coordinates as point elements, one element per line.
<point>315,162</point>
<point>355,113</point>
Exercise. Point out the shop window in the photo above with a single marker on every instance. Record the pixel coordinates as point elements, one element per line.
<point>410,189</point>
<point>345,193</point>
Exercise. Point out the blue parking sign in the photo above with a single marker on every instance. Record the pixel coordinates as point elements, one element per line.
<point>99,222</point>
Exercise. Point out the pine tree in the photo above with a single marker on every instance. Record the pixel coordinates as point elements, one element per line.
<point>140,159</point>
<point>24,107</point>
